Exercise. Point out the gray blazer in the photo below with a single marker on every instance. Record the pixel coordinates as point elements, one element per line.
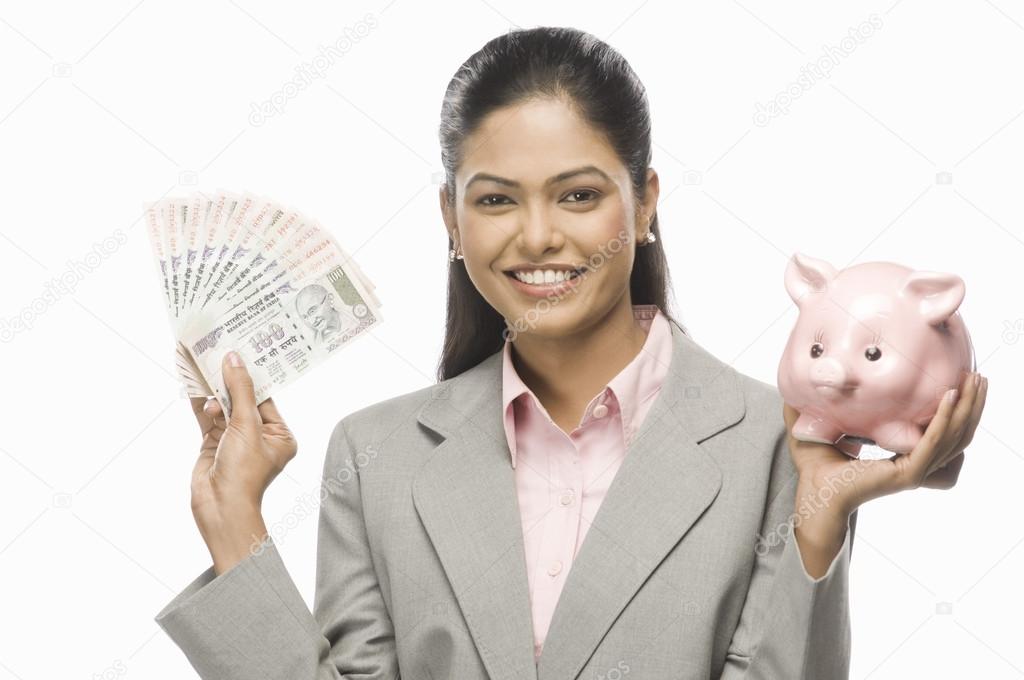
<point>689,570</point>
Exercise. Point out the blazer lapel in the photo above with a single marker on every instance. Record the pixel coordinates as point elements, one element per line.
<point>466,497</point>
<point>664,484</point>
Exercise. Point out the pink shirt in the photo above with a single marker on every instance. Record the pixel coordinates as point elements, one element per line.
<point>561,479</point>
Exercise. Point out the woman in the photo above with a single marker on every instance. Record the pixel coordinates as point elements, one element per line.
<point>580,449</point>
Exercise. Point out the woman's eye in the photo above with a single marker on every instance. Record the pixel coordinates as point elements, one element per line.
<point>492,200</point>
<point>588,195</point>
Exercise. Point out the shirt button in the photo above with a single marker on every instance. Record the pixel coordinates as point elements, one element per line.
<point>600,411</point>
<point>566,497</point>
<point>555,568</point>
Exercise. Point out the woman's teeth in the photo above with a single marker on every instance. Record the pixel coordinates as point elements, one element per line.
<point>544,276</point>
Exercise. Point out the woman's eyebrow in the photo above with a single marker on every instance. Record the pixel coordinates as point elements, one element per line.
<point>560,177</point>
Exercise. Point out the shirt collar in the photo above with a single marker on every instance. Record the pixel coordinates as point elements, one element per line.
<point>633,385</point>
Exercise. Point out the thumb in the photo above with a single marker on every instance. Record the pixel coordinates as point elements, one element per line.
<point>240,388</point>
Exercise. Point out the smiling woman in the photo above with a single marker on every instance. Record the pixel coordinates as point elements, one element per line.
<point>546,144</point>
<point>586,492</point>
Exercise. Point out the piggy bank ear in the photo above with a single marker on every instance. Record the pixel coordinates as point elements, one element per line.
<point>807,275</point>
<point>937,295</point>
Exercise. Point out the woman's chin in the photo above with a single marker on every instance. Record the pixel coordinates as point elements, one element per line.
<point>550,324</point>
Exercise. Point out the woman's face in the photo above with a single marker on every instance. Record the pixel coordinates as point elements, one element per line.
<point>539,188</point>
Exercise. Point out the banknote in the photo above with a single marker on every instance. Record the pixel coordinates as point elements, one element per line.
<point>241,272</point>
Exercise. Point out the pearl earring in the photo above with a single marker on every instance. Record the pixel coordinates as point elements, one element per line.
<point>452,255</point>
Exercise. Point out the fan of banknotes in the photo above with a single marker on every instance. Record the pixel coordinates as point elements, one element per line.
<point>241,272</point>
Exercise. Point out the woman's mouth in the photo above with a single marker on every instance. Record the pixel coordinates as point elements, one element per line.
<point>541,282</point>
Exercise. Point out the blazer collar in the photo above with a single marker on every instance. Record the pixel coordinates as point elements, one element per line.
<point>465,495</point>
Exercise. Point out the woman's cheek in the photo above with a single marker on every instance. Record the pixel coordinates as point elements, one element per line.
<point>612,227</point>
<point>610,243</point>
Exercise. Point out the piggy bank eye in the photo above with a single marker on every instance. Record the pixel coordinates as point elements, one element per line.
<point>873,353</point>
<point>816,350</point>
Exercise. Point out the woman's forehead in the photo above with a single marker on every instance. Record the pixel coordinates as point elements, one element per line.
<point>536,140</point>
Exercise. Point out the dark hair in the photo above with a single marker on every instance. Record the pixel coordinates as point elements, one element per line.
<point>597,81</point>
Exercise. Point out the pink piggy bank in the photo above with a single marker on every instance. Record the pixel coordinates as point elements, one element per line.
<point>874,349</point>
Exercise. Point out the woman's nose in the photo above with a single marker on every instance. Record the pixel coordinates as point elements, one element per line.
<point>538,232</point>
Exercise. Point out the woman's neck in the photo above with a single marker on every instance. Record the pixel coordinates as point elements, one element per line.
<point>566,372</point>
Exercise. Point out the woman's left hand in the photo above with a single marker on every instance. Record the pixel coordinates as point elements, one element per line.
<point>833,485</point>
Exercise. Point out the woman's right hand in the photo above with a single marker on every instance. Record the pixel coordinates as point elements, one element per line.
<point>238,459</point>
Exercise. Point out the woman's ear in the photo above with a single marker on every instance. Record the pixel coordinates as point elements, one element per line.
<point>653,189</point>
<point>649,204</point>
<point>447,213</point>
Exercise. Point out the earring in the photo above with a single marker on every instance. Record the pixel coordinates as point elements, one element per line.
<point>650,237</point>
<point>452,255</point>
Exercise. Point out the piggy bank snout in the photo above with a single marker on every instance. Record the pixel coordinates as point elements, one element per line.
<point>828,372</point>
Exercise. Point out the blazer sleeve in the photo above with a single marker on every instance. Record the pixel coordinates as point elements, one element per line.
<point>791,626</point>
<point>252,622</point>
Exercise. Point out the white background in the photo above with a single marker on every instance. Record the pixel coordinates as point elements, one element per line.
<point>106,105</point>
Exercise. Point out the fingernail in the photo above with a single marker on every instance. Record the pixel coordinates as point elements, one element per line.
<point>234,359</point>
<point>207,405</point>
<point>951,395</point>
<point>977,379</point>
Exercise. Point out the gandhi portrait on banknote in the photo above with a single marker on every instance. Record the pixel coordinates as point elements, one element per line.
<point>315,306</point>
